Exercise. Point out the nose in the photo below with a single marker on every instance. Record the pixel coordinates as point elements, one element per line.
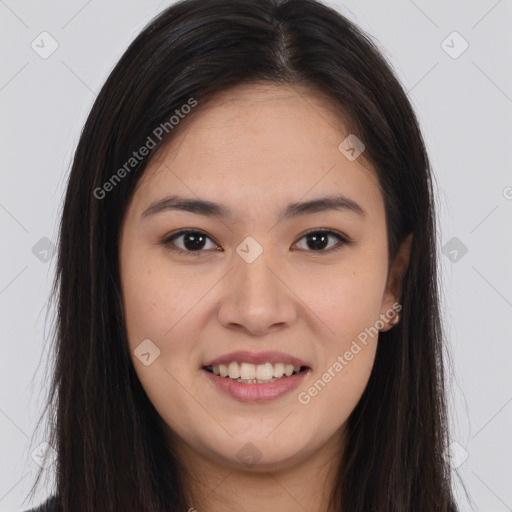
<point>257,298</point>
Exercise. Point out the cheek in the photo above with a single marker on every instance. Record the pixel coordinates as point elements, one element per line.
<point>144,308</point>
<point>154,298</point>
<point>349,306</point>
<point>340,380</point>
<point>347,301</point>
<point>345,380</point>
<point>162,304</point>
<point>156,306</point>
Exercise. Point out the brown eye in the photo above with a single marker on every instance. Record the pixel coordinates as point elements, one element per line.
<point>193,242</point>
<point>318,240</point>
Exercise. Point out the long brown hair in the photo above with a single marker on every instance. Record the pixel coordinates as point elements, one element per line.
<point>110,443</point>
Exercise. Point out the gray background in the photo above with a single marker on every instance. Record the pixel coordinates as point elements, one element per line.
<point>465,109</point>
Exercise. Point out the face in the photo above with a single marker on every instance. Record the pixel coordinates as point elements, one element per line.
<point>256,281</point>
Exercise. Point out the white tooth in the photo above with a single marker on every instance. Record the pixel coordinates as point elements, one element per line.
<point>215,369</point>
<point>223,369</point>
<point>264,371</point>
<point>247,371</point>
<point>234,370</point>
<point>296,369</point>
<point>288,369</point>
<point>278,370</point>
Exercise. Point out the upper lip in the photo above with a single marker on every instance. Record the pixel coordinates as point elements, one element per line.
<point>243,356</point>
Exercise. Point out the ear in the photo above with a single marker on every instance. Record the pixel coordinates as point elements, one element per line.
<point>393,290</point>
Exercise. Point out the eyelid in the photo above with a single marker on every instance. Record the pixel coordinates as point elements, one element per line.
<point>330,231</point>
<point>342,240</point>
<point>168,239</point>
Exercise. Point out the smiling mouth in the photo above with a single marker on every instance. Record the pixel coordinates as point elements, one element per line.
<point>248,373</point>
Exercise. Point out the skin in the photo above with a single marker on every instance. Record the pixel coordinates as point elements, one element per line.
<point>256,149</point>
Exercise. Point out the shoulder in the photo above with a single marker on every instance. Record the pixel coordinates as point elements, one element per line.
<point>50,505</point>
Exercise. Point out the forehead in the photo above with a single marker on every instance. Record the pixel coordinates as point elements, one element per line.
<point>260,141</point>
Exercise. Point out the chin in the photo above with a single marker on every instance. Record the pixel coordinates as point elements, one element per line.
<point>260,453</point>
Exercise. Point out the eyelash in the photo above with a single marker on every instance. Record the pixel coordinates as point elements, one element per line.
<point>168,241</point>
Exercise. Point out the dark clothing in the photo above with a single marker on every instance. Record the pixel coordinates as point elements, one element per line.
<point>50,505</point>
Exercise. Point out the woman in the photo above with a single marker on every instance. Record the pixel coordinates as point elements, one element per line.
<point>248,311</point>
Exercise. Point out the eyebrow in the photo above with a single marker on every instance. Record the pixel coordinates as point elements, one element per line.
<point>211,209</point>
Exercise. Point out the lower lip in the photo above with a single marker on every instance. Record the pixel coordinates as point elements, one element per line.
<point>256,392</point>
